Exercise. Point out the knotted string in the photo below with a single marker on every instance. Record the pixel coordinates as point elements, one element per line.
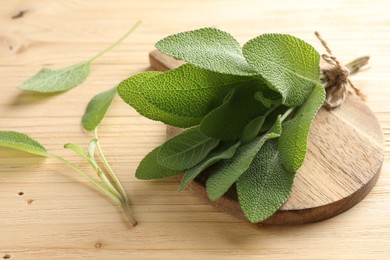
<point>336,76</point>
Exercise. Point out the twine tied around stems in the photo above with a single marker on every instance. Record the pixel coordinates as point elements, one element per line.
<point>336,76</point>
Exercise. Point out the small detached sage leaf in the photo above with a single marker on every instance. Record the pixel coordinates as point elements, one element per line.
<point>22,142</point>
<point>265,185</point>
<point>149,168</point>
<point>51,81</point>
<point>207,48</point>
<point>227,172</point>
<point>60,80</point>
<point>186,150</point>
<point>287,63</point>
<point>97,109</point>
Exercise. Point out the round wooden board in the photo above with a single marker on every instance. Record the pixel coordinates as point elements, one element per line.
<point>343,162</point>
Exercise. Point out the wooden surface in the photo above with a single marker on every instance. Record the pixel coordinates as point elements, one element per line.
<point>59,216</point>
<point>343,161</point>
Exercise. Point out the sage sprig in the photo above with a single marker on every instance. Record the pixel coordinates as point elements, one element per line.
<point>107,181</point>
<point>59,80</point>
<point>250,109</point>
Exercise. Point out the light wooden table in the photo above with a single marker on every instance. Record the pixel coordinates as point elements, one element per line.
<point>60,216</point>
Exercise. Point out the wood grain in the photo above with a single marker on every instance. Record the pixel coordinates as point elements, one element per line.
<point>68,219</point>
<point>343,162</point>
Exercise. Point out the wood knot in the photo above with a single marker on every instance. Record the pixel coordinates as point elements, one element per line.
<point>98,245</point>
<point>20,14</point>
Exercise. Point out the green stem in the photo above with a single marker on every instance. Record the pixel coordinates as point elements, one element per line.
<point>109,169</point>
<point>132,29</point>
<point>104,178</point>
<point>287,113</point>
<point>272,108</point>
<point>89,178</point>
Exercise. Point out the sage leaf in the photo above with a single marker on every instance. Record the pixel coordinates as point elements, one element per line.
<point>228,121</point>
<point>59,80</point>
<point>130,91</point>
<point>227,172</point>
<point>186,149</point>
<point>97,109</point>
<point>265,185</point>
<point>252,129</point>
<point>207,48</point>
<point>293,142</point>
<point>189,91</point>
<point>287,63</point>
<point>77,149</point>
<point>223,152</point>
<point>149,168</point>
<point>265,101</point>
<point>22,142</point>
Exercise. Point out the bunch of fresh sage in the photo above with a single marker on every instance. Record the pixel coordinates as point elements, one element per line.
<point>248,111</point>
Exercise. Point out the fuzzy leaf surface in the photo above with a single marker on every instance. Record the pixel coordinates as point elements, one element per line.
<point>189,91</point>
<point>207,48</point>
<point>186,150</point>
<point>149,168</point>
<point>293,142</point>
<point>97,109</point>
<point>227,122</point>
<point>223,152</point>
<point>130,91</point>
<point>287,63</point>
<point>22,142</point>
<point>227,172</point>
<point>265,185</point>
<point>57,80</point>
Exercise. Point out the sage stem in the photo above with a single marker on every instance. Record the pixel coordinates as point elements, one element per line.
<point>89,178</point>
<point>111,173</point>
<point>132,29</point>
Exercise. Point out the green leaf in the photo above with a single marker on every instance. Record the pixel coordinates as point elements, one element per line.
<point>265,101</point>
<point>271,118</point>
<point>265,185</point>
<point>207,48</point>
<point>22,142</point>
<point>287,63</point>
<point>228,121</point>
<point>50,80</point>
<point>186,149</point>
<point>189,91</point>
<point>97,109</point>
<point>223,152</point>
<point>149,168</point>
<point>59,80</point>
<point>77,149</point>
<point>252,129</point>
<point>293,142</point>
<point>130,91</point>
<point>227,172</point>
